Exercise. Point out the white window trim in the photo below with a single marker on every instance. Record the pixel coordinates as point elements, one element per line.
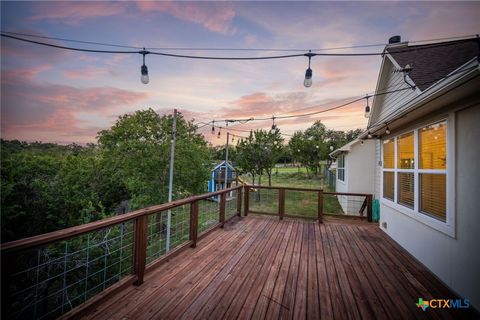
<point>338,167</point>
<point>447,227</point>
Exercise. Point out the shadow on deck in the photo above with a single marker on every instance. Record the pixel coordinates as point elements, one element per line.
<point>259,267</point>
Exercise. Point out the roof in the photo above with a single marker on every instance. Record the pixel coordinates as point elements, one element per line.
<point>222,164</point>
<point>432,62</point>
<point>344,148</point>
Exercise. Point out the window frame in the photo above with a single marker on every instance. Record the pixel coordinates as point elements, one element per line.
<point>447,227</point>
<point>341,155</point>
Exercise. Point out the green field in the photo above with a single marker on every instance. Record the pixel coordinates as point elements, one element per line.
<point>296,202</point>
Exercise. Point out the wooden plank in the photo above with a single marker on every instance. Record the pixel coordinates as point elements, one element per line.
<point>68,233</point>
<point>265,297</point>
<point>397,307</point>
<point>205,291</point>
<point>250,293</point>
<point>313,311</point>
<point>320,206</point>
<point>369,207</point>
<point>276,304</point>
<point>339,307</point>
<point>281,203</point>
<point>247,201</point>
<point>347,194</point>
<point>140,248</point>
<point>194,223</point>
<point>324,298</point>
<point>239,202</point>
<point>237,283</point>
<point>180,285</point>
<point>300,304</point>
<point>352,273</point>
<point>223,203</point>
<point>185,264</point>
<point>288,300</point>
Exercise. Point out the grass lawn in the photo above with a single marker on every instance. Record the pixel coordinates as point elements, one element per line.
<point>296,202</point>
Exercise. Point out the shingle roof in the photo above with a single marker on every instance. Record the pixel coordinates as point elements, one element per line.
<point>432,62</point>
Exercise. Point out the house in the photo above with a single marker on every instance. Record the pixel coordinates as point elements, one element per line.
<point>355,166</point>
<point>427,155</point>
<point>217,178</point>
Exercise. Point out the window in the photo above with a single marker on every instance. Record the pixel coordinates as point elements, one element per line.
<point>432,147</point>
<point>415,172</point>
<point>341,167</point>
<point>389,164</point>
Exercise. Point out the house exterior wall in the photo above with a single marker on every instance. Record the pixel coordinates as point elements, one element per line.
<point>359,174</point>
<point>454,259</point>
<point>393,101</point>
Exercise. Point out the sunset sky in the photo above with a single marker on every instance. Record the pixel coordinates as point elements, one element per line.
<point>64,96</point>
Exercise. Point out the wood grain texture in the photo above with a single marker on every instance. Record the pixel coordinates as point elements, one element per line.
<point>260,267</point>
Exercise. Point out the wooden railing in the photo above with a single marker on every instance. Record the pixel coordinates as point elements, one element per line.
<point>46,276</point>
<point>69,271</point>
<point>305,203</point>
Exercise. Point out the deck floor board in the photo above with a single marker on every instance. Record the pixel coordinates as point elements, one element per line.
<point>258,267</point>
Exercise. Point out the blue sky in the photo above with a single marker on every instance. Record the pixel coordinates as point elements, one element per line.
<point>62,96</point>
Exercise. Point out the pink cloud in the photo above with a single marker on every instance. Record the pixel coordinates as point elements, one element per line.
<point>75,12</point>
<point>33,110</point>
<point>216,17</point>
<point>85,73</point>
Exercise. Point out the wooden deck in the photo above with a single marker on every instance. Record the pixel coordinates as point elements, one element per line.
<point>263,268</point>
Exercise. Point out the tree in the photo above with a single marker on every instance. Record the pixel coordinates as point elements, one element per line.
<point>260,152</point>
<point>138,147</point>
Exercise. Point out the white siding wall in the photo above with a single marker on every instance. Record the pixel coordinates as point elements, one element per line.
<point>386,104</point>
<point>359,174</point>
<point>456,261</point>
<point>378,167</point>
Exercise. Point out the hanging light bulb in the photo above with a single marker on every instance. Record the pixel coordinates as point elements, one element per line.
<point>144,70</point>
<point>213,127</point>
<point>387,131</point>
<point>369,135</point>
<point>331,148</point>
<point>233,139</point>
<point>367,109</point>
<point>361,141</point>
<point>273,124</point>
<point>308,74</point>
<point>218,135</point>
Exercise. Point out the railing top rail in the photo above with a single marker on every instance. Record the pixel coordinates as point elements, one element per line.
<point>348,194</point>
<point>284,188</point>
<point>67,233</point>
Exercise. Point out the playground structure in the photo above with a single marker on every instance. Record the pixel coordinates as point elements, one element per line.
<point>218,182</point>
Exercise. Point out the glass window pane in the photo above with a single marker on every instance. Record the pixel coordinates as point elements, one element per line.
<point>433,146</point>
<point>405,189</point>
<point>388,184</point>
<point>405,151</point>
<point>388,153</point>
<point>433,195</point>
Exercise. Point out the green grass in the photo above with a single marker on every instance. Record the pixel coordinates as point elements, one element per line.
<point>296,202</point>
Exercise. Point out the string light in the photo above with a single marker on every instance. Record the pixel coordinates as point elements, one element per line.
<point>213,127</point>
<point>367,108</point>
<point>387,131</point>
<point>218,135</point>
<point>369,135</point>
<point>144,70</point>
<point>308,74</point>
<point>274,127</point>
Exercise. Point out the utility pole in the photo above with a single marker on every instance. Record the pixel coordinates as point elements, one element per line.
<point>170,180</point>
<point>226,161</point>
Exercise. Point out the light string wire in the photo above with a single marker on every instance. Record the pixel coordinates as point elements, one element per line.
<point>312,54</point>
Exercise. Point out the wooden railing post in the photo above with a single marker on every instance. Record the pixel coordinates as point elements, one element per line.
<point>281,203</point>
<point>239,201</point>
<point>247,201</point>
<point>223,202</point>
<point>320,206</point>
<point>140,254</point>
<point>369,207</point>
<point>194,223</point>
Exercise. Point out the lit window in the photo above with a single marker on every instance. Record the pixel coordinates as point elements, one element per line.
<point>420,174</point>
